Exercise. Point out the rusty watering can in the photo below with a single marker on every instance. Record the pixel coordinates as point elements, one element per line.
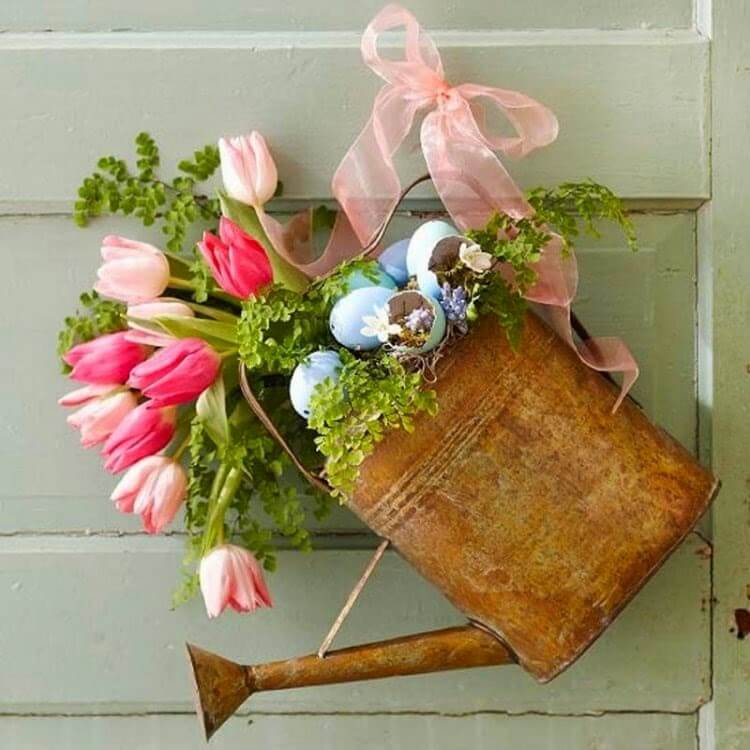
<point>531,506</point>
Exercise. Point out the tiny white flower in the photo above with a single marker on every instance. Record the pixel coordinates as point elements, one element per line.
<point>379,325</point>
<point>474,257</point>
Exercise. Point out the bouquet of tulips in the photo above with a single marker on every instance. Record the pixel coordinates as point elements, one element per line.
<point>157,371</point>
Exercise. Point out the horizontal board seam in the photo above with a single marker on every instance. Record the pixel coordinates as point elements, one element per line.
<point>288,714</point>
<point>165,40</point>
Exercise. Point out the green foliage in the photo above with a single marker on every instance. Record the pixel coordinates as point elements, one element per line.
<point>116,189</point>
<point>564,207</point>
<point>371,397</point>
<point>99,316</point>
<point>507,304</point>
<point>279,327</point>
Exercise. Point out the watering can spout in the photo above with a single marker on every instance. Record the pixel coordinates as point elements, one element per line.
<point>221,686</point>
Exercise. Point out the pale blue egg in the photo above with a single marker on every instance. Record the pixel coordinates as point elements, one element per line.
<point>428,283</point>
<point>423,241</point>
<point>438,329</point>
<point>310,373</point>
<point>415,299</point>
<point>357,279</point>
<point>346,321</point>
<point>393,261</point>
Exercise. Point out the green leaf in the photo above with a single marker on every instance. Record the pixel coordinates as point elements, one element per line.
<point>284,273</point>
<point>211,409</point>
<point>217,333</point>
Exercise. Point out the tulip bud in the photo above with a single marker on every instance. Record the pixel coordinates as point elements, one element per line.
<point>177,373</point>
<point>155,488</point>
<point>143,432</point>
<point>105,360</point>
<point>230,576</point>
<point>238,262</point>
<point>248,169</point>
<point>100,417</point>
<point>132,271</point>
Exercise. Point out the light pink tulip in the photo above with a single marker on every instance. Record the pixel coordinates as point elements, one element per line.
<point>143,432</point>
<point>100,417</point>
<point>163,307</point>
<point>238,261</point>
<point>155,488</point>
<point>248,169</point>
<point>132,271</point>
<point>178,373</point>
<point>230,576</point>
<point>105,360</point>
<point>88,393</point>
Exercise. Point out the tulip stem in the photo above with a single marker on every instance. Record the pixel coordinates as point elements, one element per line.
<point>181,448</point>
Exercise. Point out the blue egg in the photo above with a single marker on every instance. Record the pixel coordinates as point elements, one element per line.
<point>310,373</point>
<point>428,284</point>
<point>413,299</point>
<point>393,261</point>
<point>357,279</point>
<point>346,321</point>
<point>423,241</point>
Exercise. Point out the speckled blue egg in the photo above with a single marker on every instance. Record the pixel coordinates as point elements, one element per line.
<point>356,279</point>
<point>346,317</point>
<point>423,241</point>
<point>428,283</point>
<point>310,373</point>
<point>393,261</point>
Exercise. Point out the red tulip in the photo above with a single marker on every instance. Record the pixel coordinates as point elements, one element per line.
<point>238,261</point>
<point>104,360</point>
<point>143,432</point>
<point>230,576</point>
<point>177,373</point>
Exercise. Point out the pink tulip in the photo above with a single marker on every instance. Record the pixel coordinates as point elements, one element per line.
<point>248,169</point>
<point>159,308</point>
<point>238,261</point>
<point>83,396</point>
<point>155,488</point>
<point>143,432</point>
<point>230,576</point>
<point>132,271</point>
<point>100,417</point>
<point>105,360</point>
<point>178,373</point>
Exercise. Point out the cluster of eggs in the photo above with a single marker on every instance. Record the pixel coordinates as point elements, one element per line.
<point>363,296</point>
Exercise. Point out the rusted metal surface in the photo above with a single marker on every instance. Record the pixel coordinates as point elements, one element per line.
<point>534,509</point>
<point>222,686</point>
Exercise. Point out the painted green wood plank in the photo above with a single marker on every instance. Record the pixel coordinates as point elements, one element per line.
<point>234,15</point>
<point>647,297</point>
<point>92,93</point>
<point>654,732</point>
<point>87,628</point>
<point>726,360</point>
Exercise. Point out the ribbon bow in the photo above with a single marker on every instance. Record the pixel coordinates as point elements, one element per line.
<point>469,178</point>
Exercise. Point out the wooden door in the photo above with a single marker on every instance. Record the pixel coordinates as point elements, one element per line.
<point>90,652</point>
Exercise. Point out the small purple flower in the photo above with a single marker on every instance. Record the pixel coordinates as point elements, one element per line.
<point>419,320</point>
<point>454,302</point>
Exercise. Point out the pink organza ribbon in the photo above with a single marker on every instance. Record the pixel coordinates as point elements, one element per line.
<point>469,178</point>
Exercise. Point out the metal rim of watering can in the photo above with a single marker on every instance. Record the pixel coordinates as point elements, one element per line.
<point>317,481</point>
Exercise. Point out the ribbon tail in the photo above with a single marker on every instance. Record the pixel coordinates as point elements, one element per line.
<point>604,353</point>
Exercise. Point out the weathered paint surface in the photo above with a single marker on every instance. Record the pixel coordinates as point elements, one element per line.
<point>725,395</point>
